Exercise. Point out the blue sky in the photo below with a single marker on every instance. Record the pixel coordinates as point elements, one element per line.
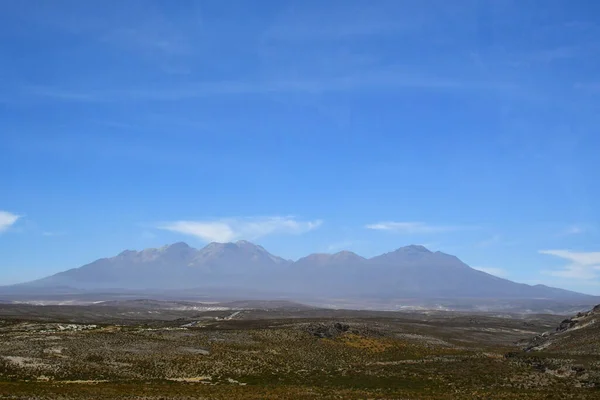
<point>466,126</point>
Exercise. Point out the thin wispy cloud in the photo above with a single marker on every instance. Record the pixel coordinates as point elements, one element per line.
<point>575,230</point>
<point>345,23</point>
<point>7,220</point>
<point>411,228</point>
<point>389,79</point>
<point>229,229</point>
<point>581,265</point>
<point>175,42</point>
<point>377,80</point>
<point>137,27</point>
<point>60,94</point>
<point>561,53</point>
<point>147,40</point>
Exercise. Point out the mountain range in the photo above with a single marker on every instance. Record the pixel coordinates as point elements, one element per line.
<point>408,272</point>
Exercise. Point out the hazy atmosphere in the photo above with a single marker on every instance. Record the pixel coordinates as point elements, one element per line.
<point>468,127</point>
<point>298,199</point>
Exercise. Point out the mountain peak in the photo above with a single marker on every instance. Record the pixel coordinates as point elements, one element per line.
<point>126,253</point>
<point>238,253</point>
<point>325,258</point>
<point>213,247</point>
<point>247,245</point>
<point>347,255</point>
<point>179,246</point>
<point>179,249</point>
<point>409,272</point>
<point>411,253</point>
<point>344,253</point>
<point>414,248</point>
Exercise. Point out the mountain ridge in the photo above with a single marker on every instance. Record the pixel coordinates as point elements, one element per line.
<point>410,271</point>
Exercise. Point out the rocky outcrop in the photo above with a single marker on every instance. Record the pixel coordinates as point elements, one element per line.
<point>330,330</point>
<point>327,330</point>
<point>546,339</point>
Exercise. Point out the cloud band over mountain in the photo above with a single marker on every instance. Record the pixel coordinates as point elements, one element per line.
<point>230,229</point>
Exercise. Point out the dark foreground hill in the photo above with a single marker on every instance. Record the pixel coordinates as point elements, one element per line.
<point>578,335</point>
<point>569,353</point>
